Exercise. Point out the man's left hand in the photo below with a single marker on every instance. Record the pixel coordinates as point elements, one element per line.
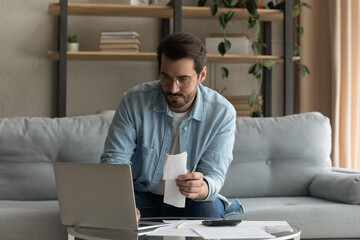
<point>192,185</point>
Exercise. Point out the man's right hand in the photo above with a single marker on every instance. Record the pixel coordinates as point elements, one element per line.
<point>138,215</point>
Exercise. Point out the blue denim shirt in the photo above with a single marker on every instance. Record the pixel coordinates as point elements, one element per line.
<point>141,135</point>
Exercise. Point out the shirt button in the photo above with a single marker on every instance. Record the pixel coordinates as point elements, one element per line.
<point>268,162</point>
<point>185,128</point>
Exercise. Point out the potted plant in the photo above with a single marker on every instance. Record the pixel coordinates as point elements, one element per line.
<point>72,44</point>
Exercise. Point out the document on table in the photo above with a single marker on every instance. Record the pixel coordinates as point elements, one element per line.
<point>171,230</point>
<point>268,226</point>
<point>175,165</point>
<point>235,232</point>
<point>195,228</point>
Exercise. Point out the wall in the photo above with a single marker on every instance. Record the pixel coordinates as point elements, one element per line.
<point>28,78</point>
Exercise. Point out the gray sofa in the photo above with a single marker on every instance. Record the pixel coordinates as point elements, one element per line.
<point>281,171</point>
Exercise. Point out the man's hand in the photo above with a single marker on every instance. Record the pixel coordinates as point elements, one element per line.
<point>192,185</point>
<point>138,215</point>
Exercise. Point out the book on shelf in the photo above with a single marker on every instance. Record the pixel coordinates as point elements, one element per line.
<point>119,45</point>
<point>123,50</point>
<point>240,43</point>
<point>120,33</point>
<point>119,40</point>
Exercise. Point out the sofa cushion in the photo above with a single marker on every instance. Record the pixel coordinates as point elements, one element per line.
<point>278,156</point>
<point>29,146</point>
<point>340,187</point>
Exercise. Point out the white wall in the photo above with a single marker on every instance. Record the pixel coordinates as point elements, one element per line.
<point>28,78</point>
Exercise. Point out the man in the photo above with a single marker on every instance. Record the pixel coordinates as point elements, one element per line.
<point>170,116</point>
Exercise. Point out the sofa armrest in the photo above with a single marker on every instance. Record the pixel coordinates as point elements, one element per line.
<point>337,186</point>
<point>345,170</point>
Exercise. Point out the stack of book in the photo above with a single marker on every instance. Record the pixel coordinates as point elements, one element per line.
<point>119,41</point>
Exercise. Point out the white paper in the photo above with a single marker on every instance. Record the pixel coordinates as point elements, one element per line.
<point>172,195</point>
<point>269,226</point>
<point>175,165</point>
<point>171,230</point>
<point>235,232</point>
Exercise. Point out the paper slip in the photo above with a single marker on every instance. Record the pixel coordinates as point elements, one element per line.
<point>236,232</point>
<point>269,226</point>
<point>175,165</point>
<point>171,230</point>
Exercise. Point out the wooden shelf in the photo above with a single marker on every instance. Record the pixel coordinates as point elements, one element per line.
<point>155,11</point>
<point>151,56</point>
<point>104,56</point>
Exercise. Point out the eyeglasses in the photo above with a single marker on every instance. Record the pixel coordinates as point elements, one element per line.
<point>181,82</point>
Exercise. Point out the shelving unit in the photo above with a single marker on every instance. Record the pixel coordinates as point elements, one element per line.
<point>177,12</point>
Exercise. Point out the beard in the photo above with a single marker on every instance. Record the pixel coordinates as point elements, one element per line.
<point>182,101</point>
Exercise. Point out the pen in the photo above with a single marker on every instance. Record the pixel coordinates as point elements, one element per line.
<point>181,224</point>
<point>193,169</point>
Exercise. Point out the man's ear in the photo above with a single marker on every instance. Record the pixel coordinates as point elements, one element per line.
<point>202,74</point>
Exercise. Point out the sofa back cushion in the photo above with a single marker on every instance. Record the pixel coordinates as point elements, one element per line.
<point>29,146</point>
<point>278,156</point>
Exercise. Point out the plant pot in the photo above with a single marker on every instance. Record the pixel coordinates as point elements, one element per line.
<point>73,47</point>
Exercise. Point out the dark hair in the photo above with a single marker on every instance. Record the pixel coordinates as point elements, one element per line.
<point>183,45</point>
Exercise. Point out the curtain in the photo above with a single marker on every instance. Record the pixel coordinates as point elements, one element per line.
<point>331,50</point>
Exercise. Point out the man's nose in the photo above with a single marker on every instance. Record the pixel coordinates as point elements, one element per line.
<point>173,86</point>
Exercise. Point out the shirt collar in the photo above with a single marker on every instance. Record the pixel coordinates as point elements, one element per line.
<point>160,104</point>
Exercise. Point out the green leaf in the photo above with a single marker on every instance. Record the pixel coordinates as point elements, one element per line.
<point>233,3</point>
<point>257,46</point>
<point>253,98</point>
<point>229,16</point>
<point>251,6</point>
<point>221,48</point>
<point>297,9</point>
<point>256,70</point>
<point>224,72</point>
<point>269,64</point>
<point>257,114</point>
<point>300,31</point>
<point>306,5</point>
<point>303,69</point>
<point>222,20</point>
<point>227,45</point>
<point>201,3</point>
<point>214,9</point>
<point>297,51</point>
<point>72,38</point>
<point>251,69</point>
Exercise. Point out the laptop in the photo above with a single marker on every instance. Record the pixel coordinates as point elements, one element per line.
<point>97,195</point>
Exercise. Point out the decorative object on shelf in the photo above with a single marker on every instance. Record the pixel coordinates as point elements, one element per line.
<point>119,41</point>
<point>72,44</point>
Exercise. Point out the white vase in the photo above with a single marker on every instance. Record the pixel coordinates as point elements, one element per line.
<point>73,47</point>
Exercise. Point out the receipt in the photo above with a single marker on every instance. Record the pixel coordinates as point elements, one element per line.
<point>175,165</point>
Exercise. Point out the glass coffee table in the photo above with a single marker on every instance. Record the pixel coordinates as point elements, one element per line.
<point>88,233</point>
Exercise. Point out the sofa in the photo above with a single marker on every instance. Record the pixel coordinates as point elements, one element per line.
<point>281,171</point>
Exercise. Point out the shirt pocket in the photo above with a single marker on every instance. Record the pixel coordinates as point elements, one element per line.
<point>147,161</point>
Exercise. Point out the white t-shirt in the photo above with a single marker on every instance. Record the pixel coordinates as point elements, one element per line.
<point>175,145</point>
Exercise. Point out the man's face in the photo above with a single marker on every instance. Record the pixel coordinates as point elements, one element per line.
<point>180,98</point>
